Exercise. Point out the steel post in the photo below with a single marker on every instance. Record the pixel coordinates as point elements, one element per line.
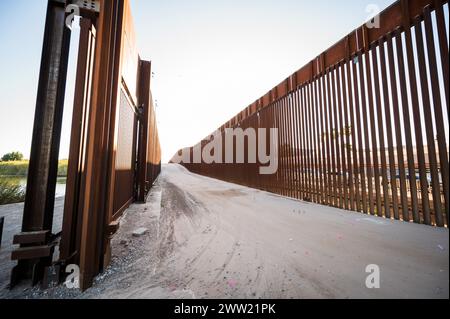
<point>43,167</point>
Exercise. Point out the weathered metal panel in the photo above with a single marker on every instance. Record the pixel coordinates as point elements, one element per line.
<point>129,57</point>
<point>71,228</point>
<point>125,156</point>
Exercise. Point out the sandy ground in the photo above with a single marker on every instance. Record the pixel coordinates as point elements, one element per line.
<point>210,239</point>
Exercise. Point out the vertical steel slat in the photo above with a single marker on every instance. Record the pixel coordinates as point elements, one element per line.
<point>253,177</point>
<point>246,166</point>
<point>259,123</point>
<point>315,177</point>
<point>330,138</point>
<point>398,131</point>
<point>347,131</point>
<point>352,101</point>
<point>438,112</point>
<point>307,122</point>
<point>322,116</point>
<point>310,147</point>
<point>274,125</point>
<point>387,120</point>
<point>292,139</point>
<point>364,106</point>
<point>327,117</point>
<point>309,138</point>
<point>379,110</point>
<point>323,191</point>
<point>335,136</point>
<point>275,177</point>
<point>292,145</point>
<point>317,144</point>
<point>261,181</point>
<point>268,124</point>
<point>436,193</point>
<point>417,124</point>
<point>285,148</point>
<point>408,132</point>
<point>304,146</point>
<point>443,47</point>
<point>373,133</point>
<point>359,130</point>
<point>296,146</point>
<point>305,143</point>
<point>275,182</point>
<point>300,142</point>
<point>340,132</point>
<point>320,136</point>
<point>280,153</point>
<point>296,177</point>
<point>314,141</point>
<point>289,144</point>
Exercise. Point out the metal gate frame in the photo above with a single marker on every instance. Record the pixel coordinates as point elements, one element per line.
<point>89,219</point>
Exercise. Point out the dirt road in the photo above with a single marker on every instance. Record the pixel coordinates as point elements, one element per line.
<point>210,239</point>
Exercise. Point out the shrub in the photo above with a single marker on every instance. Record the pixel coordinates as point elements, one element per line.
<point>13,156</point>
<point>11,193</point>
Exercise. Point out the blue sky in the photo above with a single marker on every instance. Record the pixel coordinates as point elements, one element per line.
<point>211,59</point>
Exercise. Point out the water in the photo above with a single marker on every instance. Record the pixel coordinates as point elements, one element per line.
<point>22,181</point>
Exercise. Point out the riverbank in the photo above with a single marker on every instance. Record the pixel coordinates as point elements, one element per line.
<point>20,168</point>
<point>13,181</point>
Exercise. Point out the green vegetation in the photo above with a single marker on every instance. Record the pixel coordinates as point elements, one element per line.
<point>11,193</point>
<point>62,168</point>
<point>13,176</point>
<point>13,156</point>
<point>20,168</point>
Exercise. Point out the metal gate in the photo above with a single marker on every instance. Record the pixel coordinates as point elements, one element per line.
<point>109,148</point>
